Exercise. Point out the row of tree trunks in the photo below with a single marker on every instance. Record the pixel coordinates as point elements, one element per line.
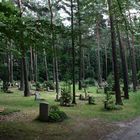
<point>131,48</point>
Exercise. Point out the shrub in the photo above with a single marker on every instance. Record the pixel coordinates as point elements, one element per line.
<point>110,81</point>
<point>55,115</point>
<point>5,86</point>
<point>89,81</point>
<point>49,84</point>
<point>38,86</point>
<point>65,99</point>
<point>109,103</point>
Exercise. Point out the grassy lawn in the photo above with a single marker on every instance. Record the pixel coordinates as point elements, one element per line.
<point>84,120</point>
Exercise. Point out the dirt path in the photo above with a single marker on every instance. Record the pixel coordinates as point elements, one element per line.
<point>128,131</point>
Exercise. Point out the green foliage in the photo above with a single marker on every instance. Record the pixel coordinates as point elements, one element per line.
<point>49,84</point>
<point>89,81</point>
<point>65,99</point>
<point>109,103</point>
<point>5,86</point>
<point>55,115</point>
<point>38,86</point>
<point>110,81</point>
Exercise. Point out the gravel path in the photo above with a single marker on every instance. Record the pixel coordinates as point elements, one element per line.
<point>128,131</point>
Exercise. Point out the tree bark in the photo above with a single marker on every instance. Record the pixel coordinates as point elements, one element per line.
<point>114,56</point>
<point>32,64</point>
<point>131,49</point>
<point>124,65</point>
<point>11,68</point>
<point>134,75</point>
<point>46,66</point>
<point>22,47</point>
<point>98,56</point>
<point>73,53</point>
<point>106,63</point>
<point>55,59</point>
<point>26,82</point>
<point>21,77</point>
<point>35,66</point>
<point>80,46</point>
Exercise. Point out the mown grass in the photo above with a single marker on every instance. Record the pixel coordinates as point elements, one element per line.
<point>130,108</point>
<point>27,128</point>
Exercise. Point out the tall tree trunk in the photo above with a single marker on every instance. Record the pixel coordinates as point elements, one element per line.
<point>22,47</point>
<point>10,62</point>
<point>83,64</point>
<point>46,66</point>
<point>124,65</point>
<point>134,76</point>
<point>98,56</point>
<point>106,63</point>
<point>21,77</point>
<point>56,76</point>
<point>26,82</point>
<point>73,53</point>
<point>32,65</point>
<point>114,55</point>
<point>80,46</point>
<point>55,59</point>
<point>11,68</point>
<point>35,66</point>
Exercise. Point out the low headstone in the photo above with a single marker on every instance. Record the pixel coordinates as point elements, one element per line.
<point>37,96</point>
<point>44,112</point>
<point>91,100</point>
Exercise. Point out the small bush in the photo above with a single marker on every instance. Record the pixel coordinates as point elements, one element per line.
<point>38,86</point>
<point>55,115</point>
<point>110,81</point>
<point>65,99</point>
<point>5,86</point>
<point>109,103</point>
<point>90,81</point>
<point>49,84</point>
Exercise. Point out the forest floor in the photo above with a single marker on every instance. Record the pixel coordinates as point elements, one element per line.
<point>85,121</point>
